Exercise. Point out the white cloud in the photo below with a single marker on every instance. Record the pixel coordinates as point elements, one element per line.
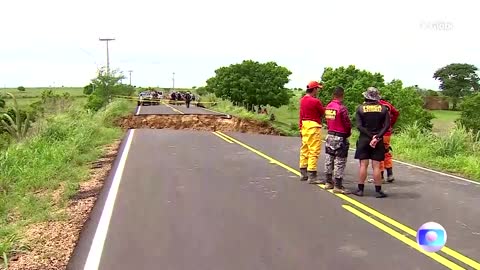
<point>57,41</point>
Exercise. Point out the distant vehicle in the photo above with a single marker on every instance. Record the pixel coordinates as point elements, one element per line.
<point>147,98</point>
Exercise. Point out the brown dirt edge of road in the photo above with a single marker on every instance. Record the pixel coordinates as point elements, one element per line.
<point>52,243</point>
<point>197,122</point>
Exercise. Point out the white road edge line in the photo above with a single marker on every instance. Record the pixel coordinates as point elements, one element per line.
<point>441,173</point>
<point>138,110</point>
<point>96,249</point>
<point>430,170</point>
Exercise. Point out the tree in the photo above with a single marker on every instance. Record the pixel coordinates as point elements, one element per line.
<point>457,80</point>
<point>106,86</point>
<point>353,80</point>
<point>407,100</point>
<point>410,104</point>
<point>470,116</point>
<point>87,90</point>
<point>21,89</point>
<point>201,91</point>
<point>252,83</point>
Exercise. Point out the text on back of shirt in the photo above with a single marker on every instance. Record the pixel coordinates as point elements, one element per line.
<point>330,114</point>
<point>372,108</point>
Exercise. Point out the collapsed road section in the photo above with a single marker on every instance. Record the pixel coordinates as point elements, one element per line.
<point>197,122</point>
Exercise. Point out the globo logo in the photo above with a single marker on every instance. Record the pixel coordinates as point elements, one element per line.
<point>431,237</point>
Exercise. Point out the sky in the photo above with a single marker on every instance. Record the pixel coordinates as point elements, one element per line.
<point>55,43</point>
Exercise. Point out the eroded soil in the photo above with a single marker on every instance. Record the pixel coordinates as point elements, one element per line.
<point>197,122</point>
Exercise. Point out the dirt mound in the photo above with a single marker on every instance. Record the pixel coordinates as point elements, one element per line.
<point>197,122</point>
<point>436,103</point>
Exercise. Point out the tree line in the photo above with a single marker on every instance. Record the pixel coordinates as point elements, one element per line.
<point>251,83</point>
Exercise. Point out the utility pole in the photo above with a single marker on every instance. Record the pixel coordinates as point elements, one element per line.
<point>173,81</point>
<point>130,72</point>
<point>108,56</point>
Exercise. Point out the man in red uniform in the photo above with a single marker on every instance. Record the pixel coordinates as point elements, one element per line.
<point>387,163</point>
<point>310,124</point>
<point>337,145</point>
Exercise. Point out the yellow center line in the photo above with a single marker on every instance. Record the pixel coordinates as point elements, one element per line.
<point>460,257</point>
<point>413,244</point>
<point>223,138</point>
<point>408,230</point>
<point>180,112</point>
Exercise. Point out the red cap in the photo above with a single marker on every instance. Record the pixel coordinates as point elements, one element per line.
<point>314,84</point>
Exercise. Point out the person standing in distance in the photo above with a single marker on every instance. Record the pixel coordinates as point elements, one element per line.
<point>310,124</point>
<point>337,144</point>
<point>188,98</point>
<point>373,120</point>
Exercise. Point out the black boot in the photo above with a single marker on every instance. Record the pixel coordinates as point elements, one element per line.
<point>329,182</point>
<point>304,175</point>
<point>359,191</point>
<point>339,188</point>
<point>380,193</point>
<point>390,177</point>
<point>312,177</point>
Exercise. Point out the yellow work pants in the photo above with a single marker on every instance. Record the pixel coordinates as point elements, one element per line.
<point>311,145</point>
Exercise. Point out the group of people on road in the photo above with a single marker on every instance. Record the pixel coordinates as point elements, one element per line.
<point>187,97</point>
<point>375,118</point>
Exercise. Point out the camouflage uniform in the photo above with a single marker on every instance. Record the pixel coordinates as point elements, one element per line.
<point>336,149</point>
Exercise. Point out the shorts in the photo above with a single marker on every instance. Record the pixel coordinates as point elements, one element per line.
<point>365,151</point>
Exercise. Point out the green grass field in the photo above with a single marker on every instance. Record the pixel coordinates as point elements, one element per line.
<point>37,91</point>
<point>444,120</point>
<point>25,102</point>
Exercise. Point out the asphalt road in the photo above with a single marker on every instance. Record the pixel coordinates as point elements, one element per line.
<point>167,109</point>
<point>215,203</point>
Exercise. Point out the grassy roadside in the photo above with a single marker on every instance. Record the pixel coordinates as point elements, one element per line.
<point>446,148</point>
<point>444,120</point>
<point>456,152</point>
<point>40,174</point>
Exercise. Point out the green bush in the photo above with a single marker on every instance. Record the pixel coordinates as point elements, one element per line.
<point>455,152</point>
<point>470,116</point>
<point>105,87</point>
<point>115,110</point>
<point>228,107</point>
<point>201,91</point>
<point>95,103</point>
<point>410,105</point>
